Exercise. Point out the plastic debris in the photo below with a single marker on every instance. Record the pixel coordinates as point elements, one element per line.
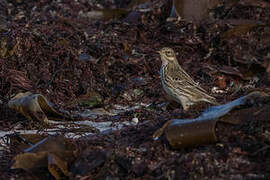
<point>201,130</point>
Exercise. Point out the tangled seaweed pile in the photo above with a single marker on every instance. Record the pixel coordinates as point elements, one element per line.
<point>69,49</point>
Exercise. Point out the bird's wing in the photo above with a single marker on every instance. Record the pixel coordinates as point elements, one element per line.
<point>185,85</point>
<point>193,92</point>
<point>186,80</point>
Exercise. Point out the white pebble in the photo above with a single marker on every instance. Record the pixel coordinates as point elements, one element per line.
<point>135,121</point>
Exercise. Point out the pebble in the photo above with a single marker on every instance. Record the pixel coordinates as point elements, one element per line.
<point>135,121</point>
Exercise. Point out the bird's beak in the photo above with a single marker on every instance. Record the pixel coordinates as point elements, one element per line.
<point>158,52</point>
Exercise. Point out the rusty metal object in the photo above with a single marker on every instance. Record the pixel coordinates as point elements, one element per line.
<point>193,10</point>
<point>187,133</point>
<point>182,133</point>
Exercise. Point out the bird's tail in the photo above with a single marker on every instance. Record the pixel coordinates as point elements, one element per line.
<point>211,100</point>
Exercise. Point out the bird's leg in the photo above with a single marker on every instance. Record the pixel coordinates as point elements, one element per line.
<point>185,107</point>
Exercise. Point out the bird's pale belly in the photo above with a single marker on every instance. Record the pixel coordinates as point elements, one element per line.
<point>171,93</point>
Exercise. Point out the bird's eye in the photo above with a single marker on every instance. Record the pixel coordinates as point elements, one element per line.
<point>168,53</point>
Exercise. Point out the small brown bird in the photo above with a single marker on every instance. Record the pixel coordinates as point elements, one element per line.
<point>178,84</point>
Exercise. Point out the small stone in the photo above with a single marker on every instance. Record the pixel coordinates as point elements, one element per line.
<point>135,121</point>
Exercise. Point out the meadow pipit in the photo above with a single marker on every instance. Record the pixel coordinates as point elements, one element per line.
<point>178,84</point>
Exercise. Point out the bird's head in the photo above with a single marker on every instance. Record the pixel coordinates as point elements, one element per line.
<point>167,55</point>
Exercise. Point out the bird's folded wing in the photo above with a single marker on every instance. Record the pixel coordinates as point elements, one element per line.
<point>192,90</point>
<point>186,80</point>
